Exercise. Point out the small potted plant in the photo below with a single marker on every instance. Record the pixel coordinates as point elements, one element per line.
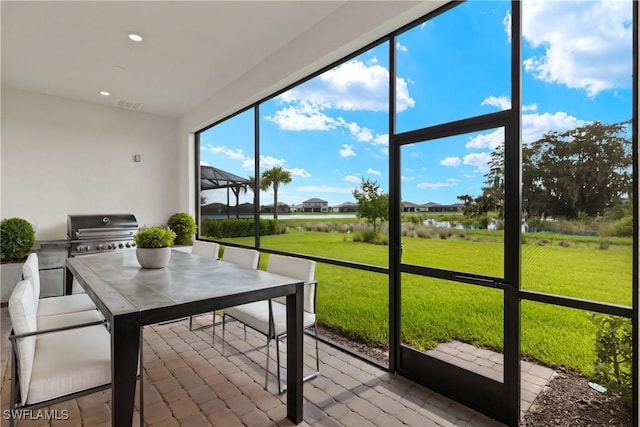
<point>16,239</point>
<point>153,246</point>
<point>184,226</point>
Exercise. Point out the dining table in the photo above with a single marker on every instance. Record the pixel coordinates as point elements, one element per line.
<point>131,297</point>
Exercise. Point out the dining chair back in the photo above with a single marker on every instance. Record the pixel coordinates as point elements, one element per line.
<point>205,249</point>
<point>247,258</point>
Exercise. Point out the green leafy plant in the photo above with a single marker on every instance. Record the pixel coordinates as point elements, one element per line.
<point>614,348</point>
<point>16,238</point>
<point>184,226</point>
<point>154,237</point>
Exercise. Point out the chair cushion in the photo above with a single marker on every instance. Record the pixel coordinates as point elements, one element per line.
<point>65,304</point>
<point>68,319</point>
<point>22,311</point>
<point>31,272</point>
<point>256,316</point>
<point>70,361</point>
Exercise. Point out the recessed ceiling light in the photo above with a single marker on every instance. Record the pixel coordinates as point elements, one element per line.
<point>135,37</point>
<point>104,93</point>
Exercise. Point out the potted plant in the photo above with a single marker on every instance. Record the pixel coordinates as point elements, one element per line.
<point>16,239</point>
<point>184,226</point>
<point>153,246</point>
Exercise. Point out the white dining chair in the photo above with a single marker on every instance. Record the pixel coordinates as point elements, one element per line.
<point>53,306</point>
<point>269,317</point>
<point>207,250</point>
<point>57,364</point>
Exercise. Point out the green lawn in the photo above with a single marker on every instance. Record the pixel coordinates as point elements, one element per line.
<point>433,310</point>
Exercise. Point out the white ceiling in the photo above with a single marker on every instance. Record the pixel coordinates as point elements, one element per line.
<point>191,49</point>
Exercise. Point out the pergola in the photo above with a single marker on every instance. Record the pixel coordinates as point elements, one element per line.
<point>214,179</point>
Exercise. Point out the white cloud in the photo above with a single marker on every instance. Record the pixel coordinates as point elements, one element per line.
<point>353,179</point>
<point>232,153</point>
<point>530,107</point>
<point>268,162</point>
<point>303,116</point>
<point>486,140</point>
<point>449,182</point>
<point>534,126</point>
<point>466,175</point>
<point>451,161</point>
<point>506,21</point>
<point>587,45</point>
<point>479,160</point>
<point>406,178</point>
<point>372,171</point>
<point>203,163</point>
<point>502,102</point>
<point>299,172</point>
<point>401,48</point>
<point>324,189</point>
<point>352,86</point>
<point>346,151</point>
<point>381,139</point>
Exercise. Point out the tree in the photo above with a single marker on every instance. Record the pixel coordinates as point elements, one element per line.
<point>583,170</point>
<point>372,204</point>
<point>274,177</point>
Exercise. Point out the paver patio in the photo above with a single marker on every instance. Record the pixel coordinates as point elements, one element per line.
<point>189,382</point>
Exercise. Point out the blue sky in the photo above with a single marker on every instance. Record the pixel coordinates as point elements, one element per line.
<point>332,131</point>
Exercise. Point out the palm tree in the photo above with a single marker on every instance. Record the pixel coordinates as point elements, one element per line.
<point>274,177</point>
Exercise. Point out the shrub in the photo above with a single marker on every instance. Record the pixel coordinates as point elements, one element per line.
<point>154,237</point>
<point>184,226</point>
<point>444,233</point>
<point>423,233</point>
<point>343,228</point>
<point>604,244</point>
<point>16,239</point>
<point>623,227</point>
<point>239,227</point>
<point>369,236</point>
<point>613,348</point>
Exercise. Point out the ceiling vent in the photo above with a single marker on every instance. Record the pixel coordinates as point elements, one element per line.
<point>128,105</point>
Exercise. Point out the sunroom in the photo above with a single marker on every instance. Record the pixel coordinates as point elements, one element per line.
<point>487,150</point>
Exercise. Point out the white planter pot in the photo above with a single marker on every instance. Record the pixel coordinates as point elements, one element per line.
<point>153,257</point>
<point>11,274</point>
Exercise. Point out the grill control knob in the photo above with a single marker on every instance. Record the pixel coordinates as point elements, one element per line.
<point>120,245</point>
<point>128,245</point>
<point>100,247</point>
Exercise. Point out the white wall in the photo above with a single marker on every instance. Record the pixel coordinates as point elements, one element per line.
<point>63,157</point>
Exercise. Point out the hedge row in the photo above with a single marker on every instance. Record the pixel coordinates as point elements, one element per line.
<point>225,228</point>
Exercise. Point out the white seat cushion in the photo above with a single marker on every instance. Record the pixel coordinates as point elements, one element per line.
<point>65,304</point>
<point>68,319</point>
<point>205,249</point>
<point>256,316</point>
<point>70,361</point>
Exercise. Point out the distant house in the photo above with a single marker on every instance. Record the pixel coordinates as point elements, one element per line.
<point>436,207</point>
<point>345,207</point>
<point>296,208</point>
<point>282,208</point>
<point>315,205</point>
<point>412,207</point>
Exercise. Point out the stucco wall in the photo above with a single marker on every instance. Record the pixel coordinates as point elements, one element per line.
<point>63,157</point>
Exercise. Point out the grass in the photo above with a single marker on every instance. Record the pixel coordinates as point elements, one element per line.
<point>433,310</point>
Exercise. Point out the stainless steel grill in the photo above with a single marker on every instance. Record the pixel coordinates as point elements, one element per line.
<point>90,234</point>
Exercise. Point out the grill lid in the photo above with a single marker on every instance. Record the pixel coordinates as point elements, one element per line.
<point>82,227</point>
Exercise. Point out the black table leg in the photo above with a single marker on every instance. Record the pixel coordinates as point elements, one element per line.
<point>125,343</point>
<point>68,283</point>
<point>295,355</point>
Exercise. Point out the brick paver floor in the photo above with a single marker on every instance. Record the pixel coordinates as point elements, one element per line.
<point>188,382</point>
